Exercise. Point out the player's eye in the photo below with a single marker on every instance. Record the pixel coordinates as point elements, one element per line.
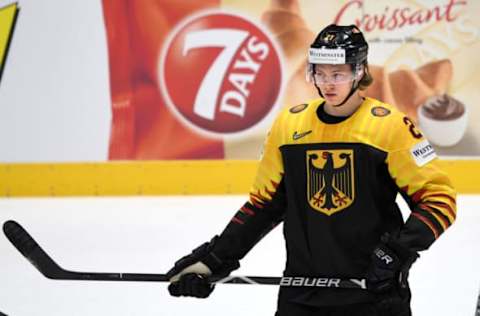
<point>339,77</point>
<point>320,77</point>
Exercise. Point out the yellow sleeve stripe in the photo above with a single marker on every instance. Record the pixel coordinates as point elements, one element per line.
<point>445,209</point>
<point>423,197</point>
<point>442,221</point>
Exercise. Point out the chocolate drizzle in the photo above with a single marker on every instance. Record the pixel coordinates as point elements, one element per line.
<point>443,108</point>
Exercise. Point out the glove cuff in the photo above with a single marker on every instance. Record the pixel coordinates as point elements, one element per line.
<point>218,266</point>
<point>204,253</point>
<point>406,256</point>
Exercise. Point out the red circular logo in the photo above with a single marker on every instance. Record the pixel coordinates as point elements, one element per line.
<point>220,73</point>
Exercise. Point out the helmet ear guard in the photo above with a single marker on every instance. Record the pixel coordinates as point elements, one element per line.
<point>358,71</point>
<point>309,71</point>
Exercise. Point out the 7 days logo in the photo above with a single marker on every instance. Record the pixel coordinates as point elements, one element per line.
<point>8,17</point>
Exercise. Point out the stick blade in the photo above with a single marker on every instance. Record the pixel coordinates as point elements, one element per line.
<point>20,238</point>
<point>31,250</point>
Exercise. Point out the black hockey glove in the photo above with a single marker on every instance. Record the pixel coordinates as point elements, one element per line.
<point>390,263</point>
<point>194,281</point>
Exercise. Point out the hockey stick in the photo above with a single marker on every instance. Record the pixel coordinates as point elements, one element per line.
<point>29,248</point>
<point>477,311</point>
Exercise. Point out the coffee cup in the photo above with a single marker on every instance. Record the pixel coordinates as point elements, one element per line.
<point>443,119</point>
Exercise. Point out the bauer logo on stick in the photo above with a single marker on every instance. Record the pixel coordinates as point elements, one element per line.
<point>321,282</point>
<point>220,73</point>
<point>317,282</point>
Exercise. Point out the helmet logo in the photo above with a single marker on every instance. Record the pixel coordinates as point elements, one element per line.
<point>329,37</point>
<point>348,38</point>
<point>326,56</point>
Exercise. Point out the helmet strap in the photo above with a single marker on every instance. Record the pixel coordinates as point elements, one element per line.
<point>319,91</point>
<point>353,89</point>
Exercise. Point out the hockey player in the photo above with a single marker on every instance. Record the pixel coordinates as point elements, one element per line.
<point>331,171</point>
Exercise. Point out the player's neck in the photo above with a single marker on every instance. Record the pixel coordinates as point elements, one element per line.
<point>346,109</point>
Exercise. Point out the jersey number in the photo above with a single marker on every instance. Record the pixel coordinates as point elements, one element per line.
<point>411,127</point>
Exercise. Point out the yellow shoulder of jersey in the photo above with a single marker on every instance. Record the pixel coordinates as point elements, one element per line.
<point>295,119</point>
<point>388,128</point>
<point>378,124</point>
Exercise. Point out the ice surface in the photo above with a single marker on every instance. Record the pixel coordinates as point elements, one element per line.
<point>146,235</point>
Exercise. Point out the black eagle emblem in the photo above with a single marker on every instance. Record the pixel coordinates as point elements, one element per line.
<point>330,188</point>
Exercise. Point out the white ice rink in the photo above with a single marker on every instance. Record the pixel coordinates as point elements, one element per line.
<point>146,235</point>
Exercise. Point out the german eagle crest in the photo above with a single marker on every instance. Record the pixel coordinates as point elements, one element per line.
<point>330,180</point>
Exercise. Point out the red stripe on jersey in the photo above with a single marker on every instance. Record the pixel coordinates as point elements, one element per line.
<point>259,197</point>
<point>449,197</point>
<point>445,206</point>
<point>275,184</point>
<point>431,210</point>
<point>271,193</point>
<point>417,196</point>
<point>238,221</point>
<point>428,223</point>
<point>247,211</point>
<point>257,203</point>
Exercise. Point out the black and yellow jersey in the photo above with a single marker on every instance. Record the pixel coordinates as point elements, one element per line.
<point>333,183</point>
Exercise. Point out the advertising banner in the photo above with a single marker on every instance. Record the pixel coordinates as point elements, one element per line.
<point>204,79</point>
<point>8,16</point>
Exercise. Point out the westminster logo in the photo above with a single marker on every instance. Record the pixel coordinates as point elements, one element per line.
<point>8,17</point>
<point>330,180</point>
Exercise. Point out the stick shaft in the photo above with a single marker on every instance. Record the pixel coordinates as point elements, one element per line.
<point>32,251</point>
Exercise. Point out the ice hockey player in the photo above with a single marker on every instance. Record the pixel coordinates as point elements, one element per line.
<point>331,171</point>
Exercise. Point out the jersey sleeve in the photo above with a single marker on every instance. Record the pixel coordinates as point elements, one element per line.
<point>427,189</point>
<point>265,207</point>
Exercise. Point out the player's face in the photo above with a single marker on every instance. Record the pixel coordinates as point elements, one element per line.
<point>335,81</point>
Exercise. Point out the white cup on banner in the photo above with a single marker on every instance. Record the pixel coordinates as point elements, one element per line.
<point>443,120</point>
